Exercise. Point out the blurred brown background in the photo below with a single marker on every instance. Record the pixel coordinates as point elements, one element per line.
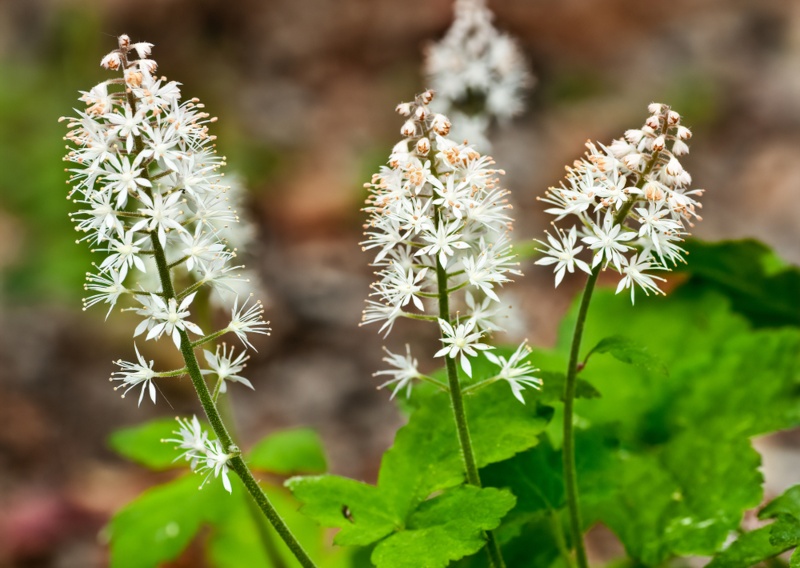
<point>305,92</point>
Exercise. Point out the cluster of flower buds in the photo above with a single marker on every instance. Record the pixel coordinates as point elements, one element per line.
<point>630,203</point>
<point>147,179</point>
<point>439,223</point>
<point>479,73</point>
<point>202,453</point>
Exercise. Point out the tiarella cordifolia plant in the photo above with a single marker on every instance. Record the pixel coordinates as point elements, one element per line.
<point>630,203</point>
<point>145,173</point>
<point>439,222</point>
<point>479,73</point>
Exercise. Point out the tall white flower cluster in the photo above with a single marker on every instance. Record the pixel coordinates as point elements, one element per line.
<point>629,203</point>
<point>439,224</point>
<point>147,179</point>
<point>478,73</point>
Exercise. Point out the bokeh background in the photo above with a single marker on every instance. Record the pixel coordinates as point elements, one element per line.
<point>305,92</point>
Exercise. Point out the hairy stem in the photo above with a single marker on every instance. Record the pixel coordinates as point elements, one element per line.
<point>459,413</point>
<point>570,478</point>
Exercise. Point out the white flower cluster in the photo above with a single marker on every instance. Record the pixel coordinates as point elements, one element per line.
<point>146,176</point>
<point>632,202</point>
<point>439,223</point>
<point>478,73</point>
<point>202,453</point>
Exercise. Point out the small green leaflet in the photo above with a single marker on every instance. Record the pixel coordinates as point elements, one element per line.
<point>629,351</point>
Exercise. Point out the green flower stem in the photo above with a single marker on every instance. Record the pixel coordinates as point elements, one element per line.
<point>570,478</point>
<point>193,288</point>
<point>457,403</point>
<point>236,463</point>
<point>217,387</point>
<point>433,381</point>
<point>210,337</point>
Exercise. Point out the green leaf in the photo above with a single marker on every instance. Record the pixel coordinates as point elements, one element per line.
<point>445,528</point>
<point>629,351</point>
<point>425,459</point>
<point>143,444</point>
<point>787,503</point>
<point>760,286</point>
<point>749,549</point>
<point>761,544</point>
<point>794,561</point>
<point>158,525</point>
<point>289,453</point>
<point>360,510</point>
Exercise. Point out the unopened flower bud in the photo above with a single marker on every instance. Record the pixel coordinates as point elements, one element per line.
<point>654,108</point>
<point>149,65</point>
<point>658,143</point>
<point>111,61</point>
<point>404,109</point>
<point>422,112</point>
<point>652,122</point>
<point>673,118</point>
<point>674,167</point>
<point>423,146</point>
<point>143,49</point>
<point>634,135</point>
<point>409,129</point>
<point>440,125</point>
<point>684,133</point>
<point>124,41</point>
<point>679,148</point>
<point>426,97</point>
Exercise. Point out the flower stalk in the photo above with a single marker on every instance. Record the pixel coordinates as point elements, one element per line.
<point>142,149</point>
<point>603,192</point>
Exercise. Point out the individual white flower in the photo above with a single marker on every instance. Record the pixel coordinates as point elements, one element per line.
<point>124,178</point>
<point>135,374</point>
<point>443,242</point>
<point>561,252</point>
<point>463,340</point>
<point>199,248</point>
<point>170,318</point>
<point>125,253</point>
<point>216,462</point>
<point>516,371</point>
<point>226,367</point>
<point>192,439</point>
<point>608,242</point>
<point>634,273</point>
<point>403,286</point>
<point>107,286</point>
<point>246,320</point>
<point>160,215</point>
<point>404,371</point>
